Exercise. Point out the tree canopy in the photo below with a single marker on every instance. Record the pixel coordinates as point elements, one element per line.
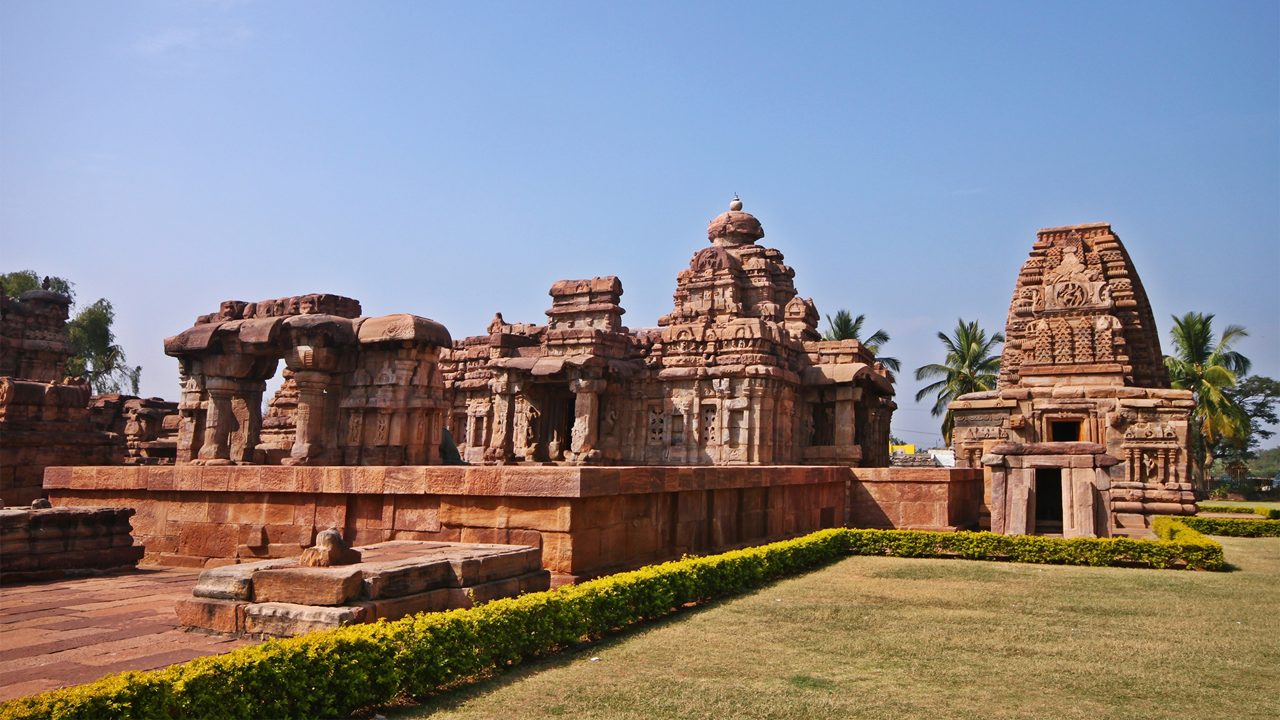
<point>846,327</point>
<point>972,364</point>
<point>1209,367</point>
<point>95,355</point>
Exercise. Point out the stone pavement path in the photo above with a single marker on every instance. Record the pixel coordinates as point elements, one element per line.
<point>68,632</point>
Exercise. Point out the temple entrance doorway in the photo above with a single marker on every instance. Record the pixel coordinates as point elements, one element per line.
<point>557,421</point>
<point>1048,501</point>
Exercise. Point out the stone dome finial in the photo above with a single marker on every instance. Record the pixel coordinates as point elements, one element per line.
<point>734,227</point>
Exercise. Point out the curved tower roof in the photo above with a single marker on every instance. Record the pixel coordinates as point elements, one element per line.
<point>1079,311</point>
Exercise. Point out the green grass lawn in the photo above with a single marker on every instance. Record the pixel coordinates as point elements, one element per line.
<point>874,637</point>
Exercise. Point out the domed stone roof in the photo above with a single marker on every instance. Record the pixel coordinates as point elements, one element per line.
<point>735,227</point>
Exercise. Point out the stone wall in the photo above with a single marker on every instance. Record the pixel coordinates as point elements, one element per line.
<point>49,543</point>
<point>940,499</point>
<point>43,424</point>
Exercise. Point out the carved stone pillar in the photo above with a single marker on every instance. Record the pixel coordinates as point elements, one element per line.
<point>846,423</point>
<point>246,405</point>
<point>500,440</point>
<point>191,417</point>
<point>586,421</point>
<point>218,422</point>
<point>310,418</point>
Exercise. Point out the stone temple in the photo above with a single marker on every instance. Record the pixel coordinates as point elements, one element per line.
<point>1083,434</point>
<point>729,423</point>
<point>736,374</point>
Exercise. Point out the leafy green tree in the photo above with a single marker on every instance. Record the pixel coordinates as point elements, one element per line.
<point>1257,397</point>
<point>972,364</point>
<point>17,282</point>
<point>1266,464</point>
<point>1209,367</point>
<point>95,354</point>
<point>846,327</point>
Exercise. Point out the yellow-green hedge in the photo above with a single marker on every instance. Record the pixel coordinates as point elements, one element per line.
<point>1266,512</point>
<point>1234,527</point>
<point>330,673</point>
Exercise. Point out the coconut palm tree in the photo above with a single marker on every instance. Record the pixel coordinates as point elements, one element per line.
<point>1208,367</point>
<point>846,327</point>
<point>971,365</point>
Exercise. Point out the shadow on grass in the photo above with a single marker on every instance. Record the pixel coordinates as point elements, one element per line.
<point>454,698</point>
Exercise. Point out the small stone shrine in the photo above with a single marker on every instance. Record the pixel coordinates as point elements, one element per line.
<point>736,374</point>
<point>1083,435</point>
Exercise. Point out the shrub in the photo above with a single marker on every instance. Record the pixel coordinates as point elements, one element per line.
<point>1234,527</point>
<point>331,673</point>
<point>1197,553</point>
<point>1268,513</point>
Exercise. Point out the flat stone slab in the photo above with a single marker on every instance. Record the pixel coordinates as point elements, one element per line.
<point>394,579</point>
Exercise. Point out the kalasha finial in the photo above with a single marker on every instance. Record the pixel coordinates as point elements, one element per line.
<point>736,203</point>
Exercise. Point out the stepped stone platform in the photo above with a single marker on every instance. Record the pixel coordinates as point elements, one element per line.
<point>392,579</point>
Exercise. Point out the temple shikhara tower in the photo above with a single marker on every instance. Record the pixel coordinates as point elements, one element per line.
<point>736,374</point>
<point>1083,435</point>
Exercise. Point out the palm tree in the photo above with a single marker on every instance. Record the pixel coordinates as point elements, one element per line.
<point>1208,367</point>
<point>971,365</point>
<point>846,327</point>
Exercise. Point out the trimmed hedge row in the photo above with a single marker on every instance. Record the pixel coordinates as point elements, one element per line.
<point>1265,512</point>
<point>330,673</point>
<point>1181,552</point>
<point>1234,527</point>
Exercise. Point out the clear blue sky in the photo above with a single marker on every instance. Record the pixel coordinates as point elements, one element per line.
<point>455,160</point>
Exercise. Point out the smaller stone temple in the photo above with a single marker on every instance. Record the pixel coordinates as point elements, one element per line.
<point>736,374</point>
<point>1083,435</point>
<point>357,390</point>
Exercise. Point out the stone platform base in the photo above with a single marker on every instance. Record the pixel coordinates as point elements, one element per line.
<point>54,543</point>
<point>394,579</point>
<point>587,521</point>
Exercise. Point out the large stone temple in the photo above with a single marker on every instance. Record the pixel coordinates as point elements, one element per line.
<point>736,374</point>
<point>731,422</point>
<point>1083,434</point>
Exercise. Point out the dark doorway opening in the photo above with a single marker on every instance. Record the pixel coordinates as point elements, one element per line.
<point>1065,430</point>
<point>1048,500</point>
